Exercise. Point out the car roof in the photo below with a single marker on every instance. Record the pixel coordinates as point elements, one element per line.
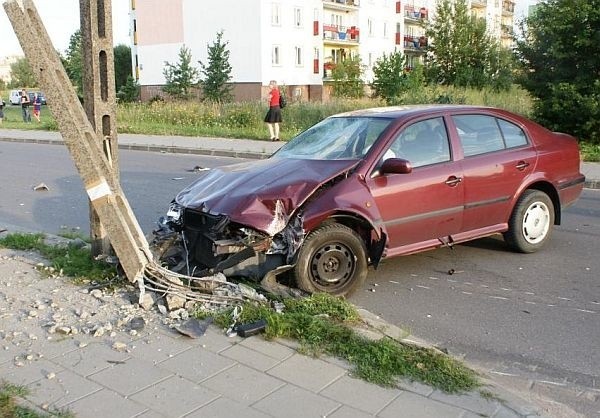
<point>410,110</point>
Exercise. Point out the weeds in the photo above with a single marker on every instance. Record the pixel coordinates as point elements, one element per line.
<point>590,152</point>
<point>322,324</point>
<point>9,407</point>
<point>74,262</point>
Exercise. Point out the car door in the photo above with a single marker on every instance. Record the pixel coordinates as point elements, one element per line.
<point>424,206</point>
<point>497,159</point>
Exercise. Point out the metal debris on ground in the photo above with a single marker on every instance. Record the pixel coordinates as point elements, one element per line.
<point>235,316</point>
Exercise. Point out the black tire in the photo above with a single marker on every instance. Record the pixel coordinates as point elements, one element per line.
<point>332,259</point>
<point>530,224</point>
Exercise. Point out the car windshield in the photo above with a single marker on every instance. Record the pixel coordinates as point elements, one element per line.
<point>336,138</point>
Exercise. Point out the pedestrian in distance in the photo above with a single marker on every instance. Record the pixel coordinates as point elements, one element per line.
<point>273,117</point>
<point>25,106</point>
<point>37,106</point>
<point>1,110</point>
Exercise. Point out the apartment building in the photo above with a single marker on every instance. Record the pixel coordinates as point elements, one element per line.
<point>297,43</point>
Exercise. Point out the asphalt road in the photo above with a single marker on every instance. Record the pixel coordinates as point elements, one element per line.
<point>535,315</point>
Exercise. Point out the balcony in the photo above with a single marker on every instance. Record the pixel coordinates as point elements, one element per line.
<point>415,44</point>
<point>341,34</point>
<point>478,4</point>
<point>506,31</point>
<point>341,4</point>
<point>415,15</point>
<point>508,8</point>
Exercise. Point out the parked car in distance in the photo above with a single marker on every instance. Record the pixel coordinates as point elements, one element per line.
<point>364,185</point>
<point>40,94</point>
<point>15,97</point>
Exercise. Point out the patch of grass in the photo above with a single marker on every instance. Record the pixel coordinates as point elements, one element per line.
<point>322,324</point>
<point>590,152</point>
<point>9,407</point>
<point>74,262</point>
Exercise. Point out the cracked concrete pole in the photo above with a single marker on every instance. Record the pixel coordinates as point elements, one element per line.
<point>99,96</point>
<point>81,139</point>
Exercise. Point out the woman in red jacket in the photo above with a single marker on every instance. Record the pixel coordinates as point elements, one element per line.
<point>273,117</point>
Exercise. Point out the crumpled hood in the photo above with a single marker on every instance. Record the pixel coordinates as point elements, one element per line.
<point>260,194</point>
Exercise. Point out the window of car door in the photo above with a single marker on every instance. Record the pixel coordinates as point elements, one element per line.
<point>481,134</point>
<point>422,143</point>
<point>493,149</point>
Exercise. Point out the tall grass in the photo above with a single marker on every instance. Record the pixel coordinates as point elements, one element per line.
<point>245,120</point>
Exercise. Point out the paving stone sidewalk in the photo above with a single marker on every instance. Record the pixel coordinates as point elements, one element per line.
<point>78,350</point>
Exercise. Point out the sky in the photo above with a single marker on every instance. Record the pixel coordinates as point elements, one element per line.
<point>61,18</point>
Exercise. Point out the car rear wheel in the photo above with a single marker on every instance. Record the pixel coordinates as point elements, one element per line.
<point>530,224</point>
<point>332,260</point>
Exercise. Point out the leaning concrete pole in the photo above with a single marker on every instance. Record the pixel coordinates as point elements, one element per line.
<point>99,95</point>
<point>81,139</point>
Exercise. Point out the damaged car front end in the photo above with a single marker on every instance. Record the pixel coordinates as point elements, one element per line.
<point>249,219</point>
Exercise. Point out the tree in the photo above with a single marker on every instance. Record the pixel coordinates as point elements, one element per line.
<point>347,78</point>
<point>461,52</point>
<point>390,77</point>
<point>559,50</point>
<point>181,76</point>
<point>73,61</point>
<point>130,91</point>
<point>122,54</point>
<point>21,74</point>
<point>217,72</point>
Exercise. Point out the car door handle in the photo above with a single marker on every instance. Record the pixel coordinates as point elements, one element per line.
<point>453,181</point>
<point>522,165</point>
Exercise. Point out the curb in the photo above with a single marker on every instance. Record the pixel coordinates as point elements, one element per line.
<point>158,148</point>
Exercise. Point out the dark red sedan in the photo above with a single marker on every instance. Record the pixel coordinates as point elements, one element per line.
<point>377,183</point>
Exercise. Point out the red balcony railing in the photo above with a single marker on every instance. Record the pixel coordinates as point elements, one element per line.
<point>341,33</point>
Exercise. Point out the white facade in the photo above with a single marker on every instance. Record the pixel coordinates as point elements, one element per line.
<point>296,42</point>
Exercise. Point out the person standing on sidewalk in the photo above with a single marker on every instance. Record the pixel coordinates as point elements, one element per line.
<point>273,117</point>
<point>37,106</point>
<point>25,106</point>
<point>1,110</point>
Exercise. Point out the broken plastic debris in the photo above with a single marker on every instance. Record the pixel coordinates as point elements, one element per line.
<point>194,328</point>
<point>247,330</point>
<point>199,168</point>
<point>41,187</point>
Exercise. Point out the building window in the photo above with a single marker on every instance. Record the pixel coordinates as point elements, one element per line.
<point>276,55</point>
<point>385,30</point>
<point>370,59</point>
<point>276,14</point>
<point>370,27</point>
<point>297,17</point>
<point>298,56</point>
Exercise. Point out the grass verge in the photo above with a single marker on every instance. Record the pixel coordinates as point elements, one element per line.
<point>9,407</point>
<point>590,152</point>
<point>323,325</point>
<point>74,262</point>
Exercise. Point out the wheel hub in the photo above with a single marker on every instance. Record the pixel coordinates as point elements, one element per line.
<point>536,222</point>
<point>332,264</point>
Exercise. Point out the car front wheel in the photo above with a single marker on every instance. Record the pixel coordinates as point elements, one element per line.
<point>332,260</point>
<point>530,224</point>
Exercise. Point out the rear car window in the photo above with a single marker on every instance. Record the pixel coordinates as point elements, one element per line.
<point>513,135</point>
<point>478,134</point>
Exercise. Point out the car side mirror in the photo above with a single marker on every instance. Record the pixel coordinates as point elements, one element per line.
<point>396,166</point>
